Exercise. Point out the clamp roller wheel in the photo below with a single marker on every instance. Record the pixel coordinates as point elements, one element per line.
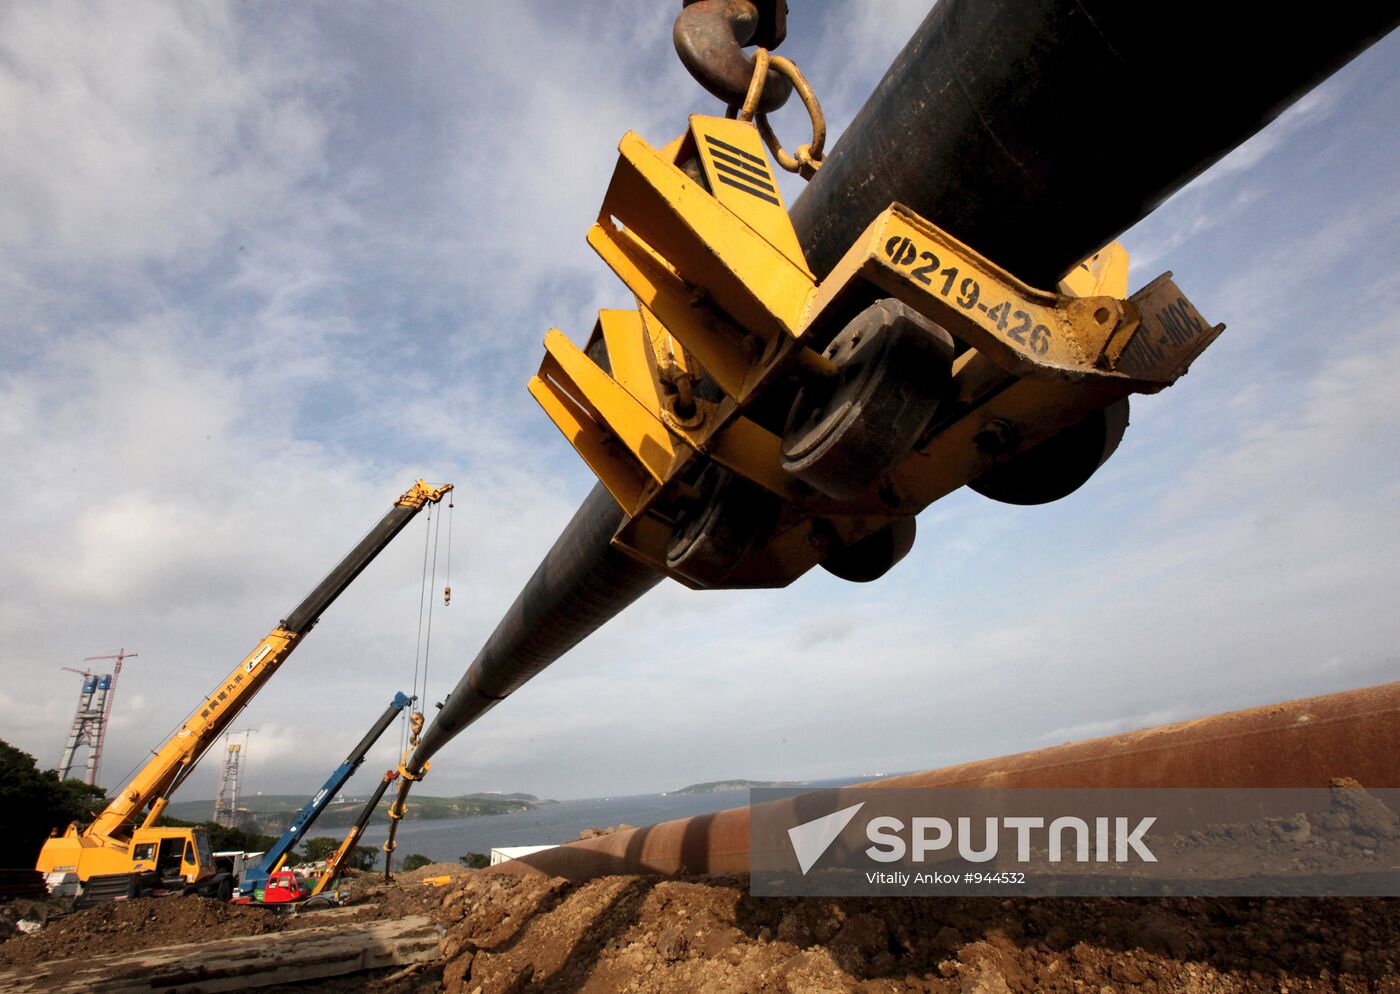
<point>846,432</point>
<point>873,556</point>
<point>1061,464</point>
<point>725,521</point>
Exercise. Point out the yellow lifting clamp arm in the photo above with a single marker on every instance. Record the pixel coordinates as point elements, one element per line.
<point>753,422</point>
<point>1028,332</point>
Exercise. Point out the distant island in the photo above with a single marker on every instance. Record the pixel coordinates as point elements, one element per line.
<point>272,813</point>
<point>723,786</point>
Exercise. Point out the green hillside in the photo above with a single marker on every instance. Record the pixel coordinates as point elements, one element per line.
<point>272,813</point>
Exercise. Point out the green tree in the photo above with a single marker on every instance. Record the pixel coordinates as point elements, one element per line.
<point>414,861</point>
<point>35,803</point>
<point>360,857</point>
<point>318,848</point>
<point>475,860</point>
<point>363,858</point>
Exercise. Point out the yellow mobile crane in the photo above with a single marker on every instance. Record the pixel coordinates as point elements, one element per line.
<point>123,853</point>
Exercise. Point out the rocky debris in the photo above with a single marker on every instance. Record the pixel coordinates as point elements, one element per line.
<point>125,926</point>
<point>709,936</point>
<point>598,833</point>
<point>27,915</point>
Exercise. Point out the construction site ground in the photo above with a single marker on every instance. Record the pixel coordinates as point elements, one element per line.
<point>502,933</point>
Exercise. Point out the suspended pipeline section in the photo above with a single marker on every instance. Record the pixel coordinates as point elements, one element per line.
<point>943,306</point>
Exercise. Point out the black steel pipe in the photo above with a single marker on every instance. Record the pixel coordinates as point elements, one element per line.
<point>581,583</point>
<point>1037,131</point>
<point>1034,130</point>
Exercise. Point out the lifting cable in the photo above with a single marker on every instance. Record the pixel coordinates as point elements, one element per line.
<point>428,637</point>
<point>418,640</point>
<point>423,646</point>
<point>447,580</point>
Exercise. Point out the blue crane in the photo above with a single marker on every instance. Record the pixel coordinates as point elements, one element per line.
<point>254,878</point>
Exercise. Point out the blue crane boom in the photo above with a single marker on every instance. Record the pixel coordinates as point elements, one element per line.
<point>256,876</point>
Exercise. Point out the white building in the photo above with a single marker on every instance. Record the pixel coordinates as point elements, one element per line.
<point>514,852</point>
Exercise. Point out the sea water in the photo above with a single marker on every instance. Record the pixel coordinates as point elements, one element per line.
<point>443,840</point>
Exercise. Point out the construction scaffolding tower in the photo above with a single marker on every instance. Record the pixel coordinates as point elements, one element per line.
<point>226,804</point>
<point>88,723</point>
<point>111,694</point>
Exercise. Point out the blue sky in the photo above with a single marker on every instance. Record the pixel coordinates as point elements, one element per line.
<point>262,267</point>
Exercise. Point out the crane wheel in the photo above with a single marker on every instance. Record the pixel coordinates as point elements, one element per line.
<point>1060,465</point>
<point>847,432</point>
<point>873,556</point>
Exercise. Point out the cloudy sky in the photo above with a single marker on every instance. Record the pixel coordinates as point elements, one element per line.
<point>263,266</point>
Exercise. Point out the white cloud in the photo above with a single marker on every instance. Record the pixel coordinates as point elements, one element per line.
<point>139,133</point>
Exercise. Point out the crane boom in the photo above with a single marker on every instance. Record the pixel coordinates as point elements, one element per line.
<point>257,875</point>
<point>335,863</point>
<point>122,839</point>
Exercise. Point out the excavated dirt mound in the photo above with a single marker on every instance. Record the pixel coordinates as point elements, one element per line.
<point>127,926</point>
<point>508,934</point>
<point>518,933</point>
<point>124,926</point>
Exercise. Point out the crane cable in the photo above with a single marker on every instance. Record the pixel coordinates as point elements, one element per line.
<point>404,735</point>
<point>413,722</point>
<point>423,647</point>
<point>447,580</point>
<point>428,637</point>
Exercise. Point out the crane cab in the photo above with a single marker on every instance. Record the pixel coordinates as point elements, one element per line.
<point>177,856</point>
<point>284,887</point>
<point>168,858</point>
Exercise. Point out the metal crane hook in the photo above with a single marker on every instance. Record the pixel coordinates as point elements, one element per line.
<point>710,36</point>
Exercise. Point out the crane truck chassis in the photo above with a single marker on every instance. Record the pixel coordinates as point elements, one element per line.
<point>124,853</point>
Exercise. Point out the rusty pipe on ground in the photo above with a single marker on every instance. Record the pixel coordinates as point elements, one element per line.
<point>1302,743</point>
<point>1029,130</point>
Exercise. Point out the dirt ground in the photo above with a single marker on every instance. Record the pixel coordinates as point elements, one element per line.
<point>128,926</point>
<point>510,934</point>
<point>513,934</point>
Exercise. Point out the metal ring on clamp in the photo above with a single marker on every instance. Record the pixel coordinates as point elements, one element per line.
<point>808,158</point>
